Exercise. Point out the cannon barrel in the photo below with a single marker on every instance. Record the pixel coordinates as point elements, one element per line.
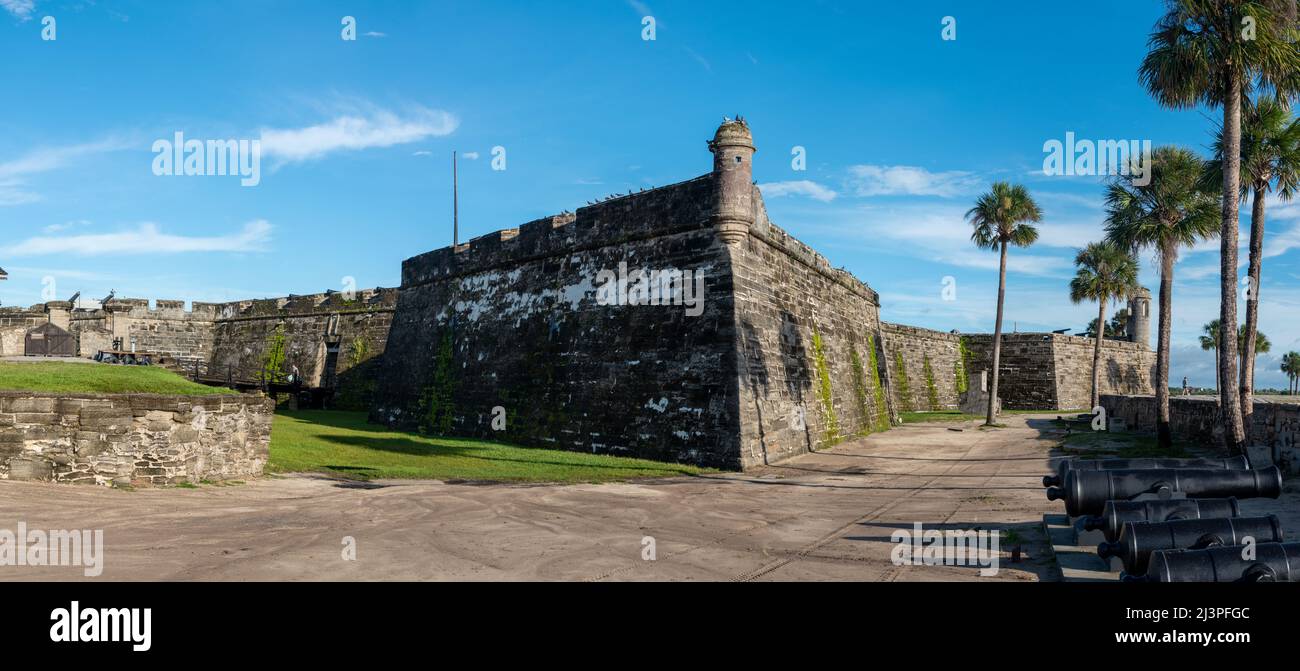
<point>1238,463</point>
<point>1116,513</point>
<point>1086,492</point>
<point>1270,562</point>
<point>1139,539</point>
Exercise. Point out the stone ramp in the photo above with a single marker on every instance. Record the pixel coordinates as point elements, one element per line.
<point>1076,554</point>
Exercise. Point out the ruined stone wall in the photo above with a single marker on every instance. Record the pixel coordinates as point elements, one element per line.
<point>1197,419</point>
<point>335,341</point>
<point>1049,371</point>
<point>933,373</point>
<point>513,320</point>
<point>132,438</point>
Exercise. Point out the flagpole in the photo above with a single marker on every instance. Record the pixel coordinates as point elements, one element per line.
<point>455,204</point>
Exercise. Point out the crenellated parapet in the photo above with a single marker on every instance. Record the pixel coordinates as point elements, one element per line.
<point>617,221</point>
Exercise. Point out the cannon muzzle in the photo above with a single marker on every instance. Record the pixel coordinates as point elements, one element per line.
<point>1086,492</point>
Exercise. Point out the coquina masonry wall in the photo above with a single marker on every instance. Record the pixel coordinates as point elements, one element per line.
<point>1049,371</point>
<point>132,438</point>
<point>932,375</point>
<point>512,321</point>
<point>1197,419</point>
<point>784,356</point>
<point>811,370</point>
<point>334,340</point>
<point>14,325</point>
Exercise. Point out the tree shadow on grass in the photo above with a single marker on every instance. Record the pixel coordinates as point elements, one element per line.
<point>416,448</point>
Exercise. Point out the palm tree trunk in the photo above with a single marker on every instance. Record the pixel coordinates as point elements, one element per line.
<point>1252,307</point>
<point>1164,435</point>
<point>1229,402</point>
<point>997,337</point>
<point>1096,355</point>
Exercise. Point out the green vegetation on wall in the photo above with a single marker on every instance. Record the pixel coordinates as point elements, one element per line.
<point>860,390</point>
<point>273,357</point>
<point>904,388</point>
<point>931,391</point>
<point>358,351</point>
<point>877,389</point>
<point>437,400</point>
<point>824,388</point>
<point>960,377</point>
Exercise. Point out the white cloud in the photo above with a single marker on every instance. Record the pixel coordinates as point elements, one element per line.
<point>376,128</point>
<point>471,155</point>
<point>57,228</point>
<point>904,180</point>
<point>938,233</point>
<point>146,238</point>
<point>374,33</point>
<point>1281,243</point>
<point>14,173</point>
<point>422,153</point>
<point>19,8</point>
<point>802,187</point>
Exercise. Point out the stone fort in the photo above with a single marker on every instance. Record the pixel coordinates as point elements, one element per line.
<point>678,323</point>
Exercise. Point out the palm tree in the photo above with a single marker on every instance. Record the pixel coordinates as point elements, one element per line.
<point>1215,52</point>
<point>1291,366</point>
<point>1209,338</point>
<point>1270,153</point>
<point>1166,209</point>
<point>1211,334</point>
<point>1002,217</point>
<point>1262,345</point>
<point>1105,273</point>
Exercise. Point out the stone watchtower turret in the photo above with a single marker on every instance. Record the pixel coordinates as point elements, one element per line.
<point>1139,317</point>
<point>733,154</point>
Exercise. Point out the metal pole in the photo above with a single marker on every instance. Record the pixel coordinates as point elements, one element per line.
<point>455,204</point>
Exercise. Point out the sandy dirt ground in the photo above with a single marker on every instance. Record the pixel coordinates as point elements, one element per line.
<point>824,516</point>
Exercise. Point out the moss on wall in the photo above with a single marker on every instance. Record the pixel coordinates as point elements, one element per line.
<point>931,391</point>
<point>860,391</point>
<point>437,401</point>
<point>960,377</point>
<point>904,387</point>
<point>273,359</point>
<point>823,389</point>
<point>877,388</point>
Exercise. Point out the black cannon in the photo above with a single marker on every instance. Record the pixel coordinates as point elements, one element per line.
<point>1139,539</point>
<point>1086,492</point>
<point>1262,562</point>
<point>1240,463</point>
<point>1116,513</point>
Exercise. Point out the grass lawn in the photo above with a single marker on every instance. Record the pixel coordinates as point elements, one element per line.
<point>98,378</point>
<point>342,443</point>
<point>1129,445</point>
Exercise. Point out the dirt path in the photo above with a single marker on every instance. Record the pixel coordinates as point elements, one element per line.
<point>825,516</point>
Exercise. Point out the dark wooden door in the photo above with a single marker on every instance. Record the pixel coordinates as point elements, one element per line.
<point>49,340</point>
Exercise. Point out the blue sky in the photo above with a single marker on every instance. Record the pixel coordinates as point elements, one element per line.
<point>902,131</point>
